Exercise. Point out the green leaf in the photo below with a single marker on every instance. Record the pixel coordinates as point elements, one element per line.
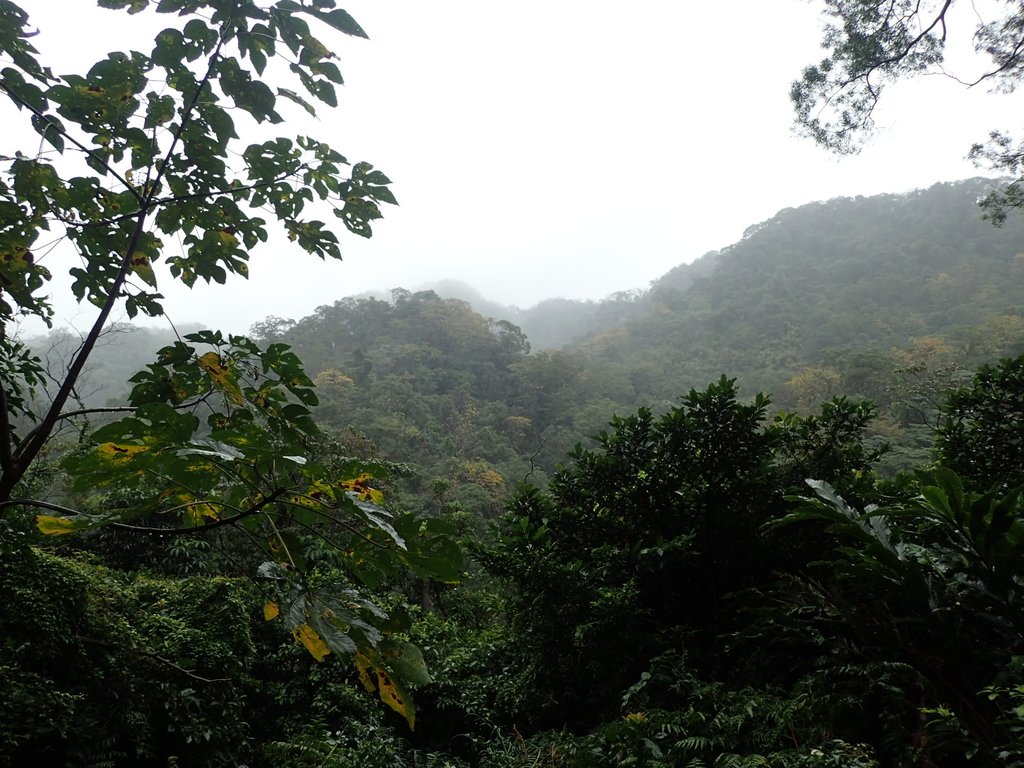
<point>13,81</point>
<point>51,129</point>
<point>340,20</point>
<point>253,96</point>
<point>329,70</point>
<point>133,6</point>
<point>938,501</point>
<point>406,660</point>
<point>334,635</point>
<point>159,111</point>
<point>213,448</point>
<point>383,194</point>
<point>170,48</point>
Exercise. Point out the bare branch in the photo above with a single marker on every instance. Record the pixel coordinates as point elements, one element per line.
<point>5,433</point>
<point>152,655</point>
<point>38,503</point>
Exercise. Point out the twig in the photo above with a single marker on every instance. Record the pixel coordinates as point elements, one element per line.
<point>152,655</point>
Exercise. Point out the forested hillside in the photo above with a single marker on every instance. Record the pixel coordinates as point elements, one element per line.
<point>893,299</point>
<point>889,298</point>
<point>674,594</point>
<point>766,513</point>
<point>878,272</point>
<point>868,273</point>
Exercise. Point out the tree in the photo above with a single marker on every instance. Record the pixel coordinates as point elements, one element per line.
<point>141,170</point>
<point>910,586</point>
<point>876,42</point>
<point>642,545</point>
<point>676,500</point>
<point>981,433</point>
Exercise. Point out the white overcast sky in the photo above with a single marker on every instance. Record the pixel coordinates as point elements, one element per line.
<point>568,148</point>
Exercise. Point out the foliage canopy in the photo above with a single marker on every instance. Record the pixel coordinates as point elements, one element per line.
<point>873,43</point>
<point>140,168</point>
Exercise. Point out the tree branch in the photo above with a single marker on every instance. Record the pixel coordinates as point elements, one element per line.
<point>1012,60</point>
<point>38,503</point>
<point>6,459</point>
<point>203,528</point>
<point>152,655</point>
<point>92,154</point>
<point>113,409</point>
<point>29,449</point>
<point>940,19</point>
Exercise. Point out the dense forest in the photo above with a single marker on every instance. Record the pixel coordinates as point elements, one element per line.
<point>892,299</point>
<point>561,645</point>
<point>768,511</point>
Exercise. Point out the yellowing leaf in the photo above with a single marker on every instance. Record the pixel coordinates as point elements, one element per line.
<point>17,259</point>
<point>51,525</point>
<point>213,366</point>
<point>317,494</point>
<point>270,610</point>
<point>361,486</point>
<point>146,252</point>
<point>221,375</point>
<point>393,695</point>
<point>200,511</point>
<point>119,452</point>
<point>363,666</point>
<point>308,636</point>
<point>142,267</point>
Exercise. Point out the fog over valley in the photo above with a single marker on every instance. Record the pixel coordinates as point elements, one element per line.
<point>569,149</point>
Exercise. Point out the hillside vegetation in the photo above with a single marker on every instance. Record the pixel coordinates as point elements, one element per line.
<point>649,579</point>
<point>890,298</point>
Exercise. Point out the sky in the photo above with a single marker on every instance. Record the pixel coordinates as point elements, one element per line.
<point>562,148</point>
